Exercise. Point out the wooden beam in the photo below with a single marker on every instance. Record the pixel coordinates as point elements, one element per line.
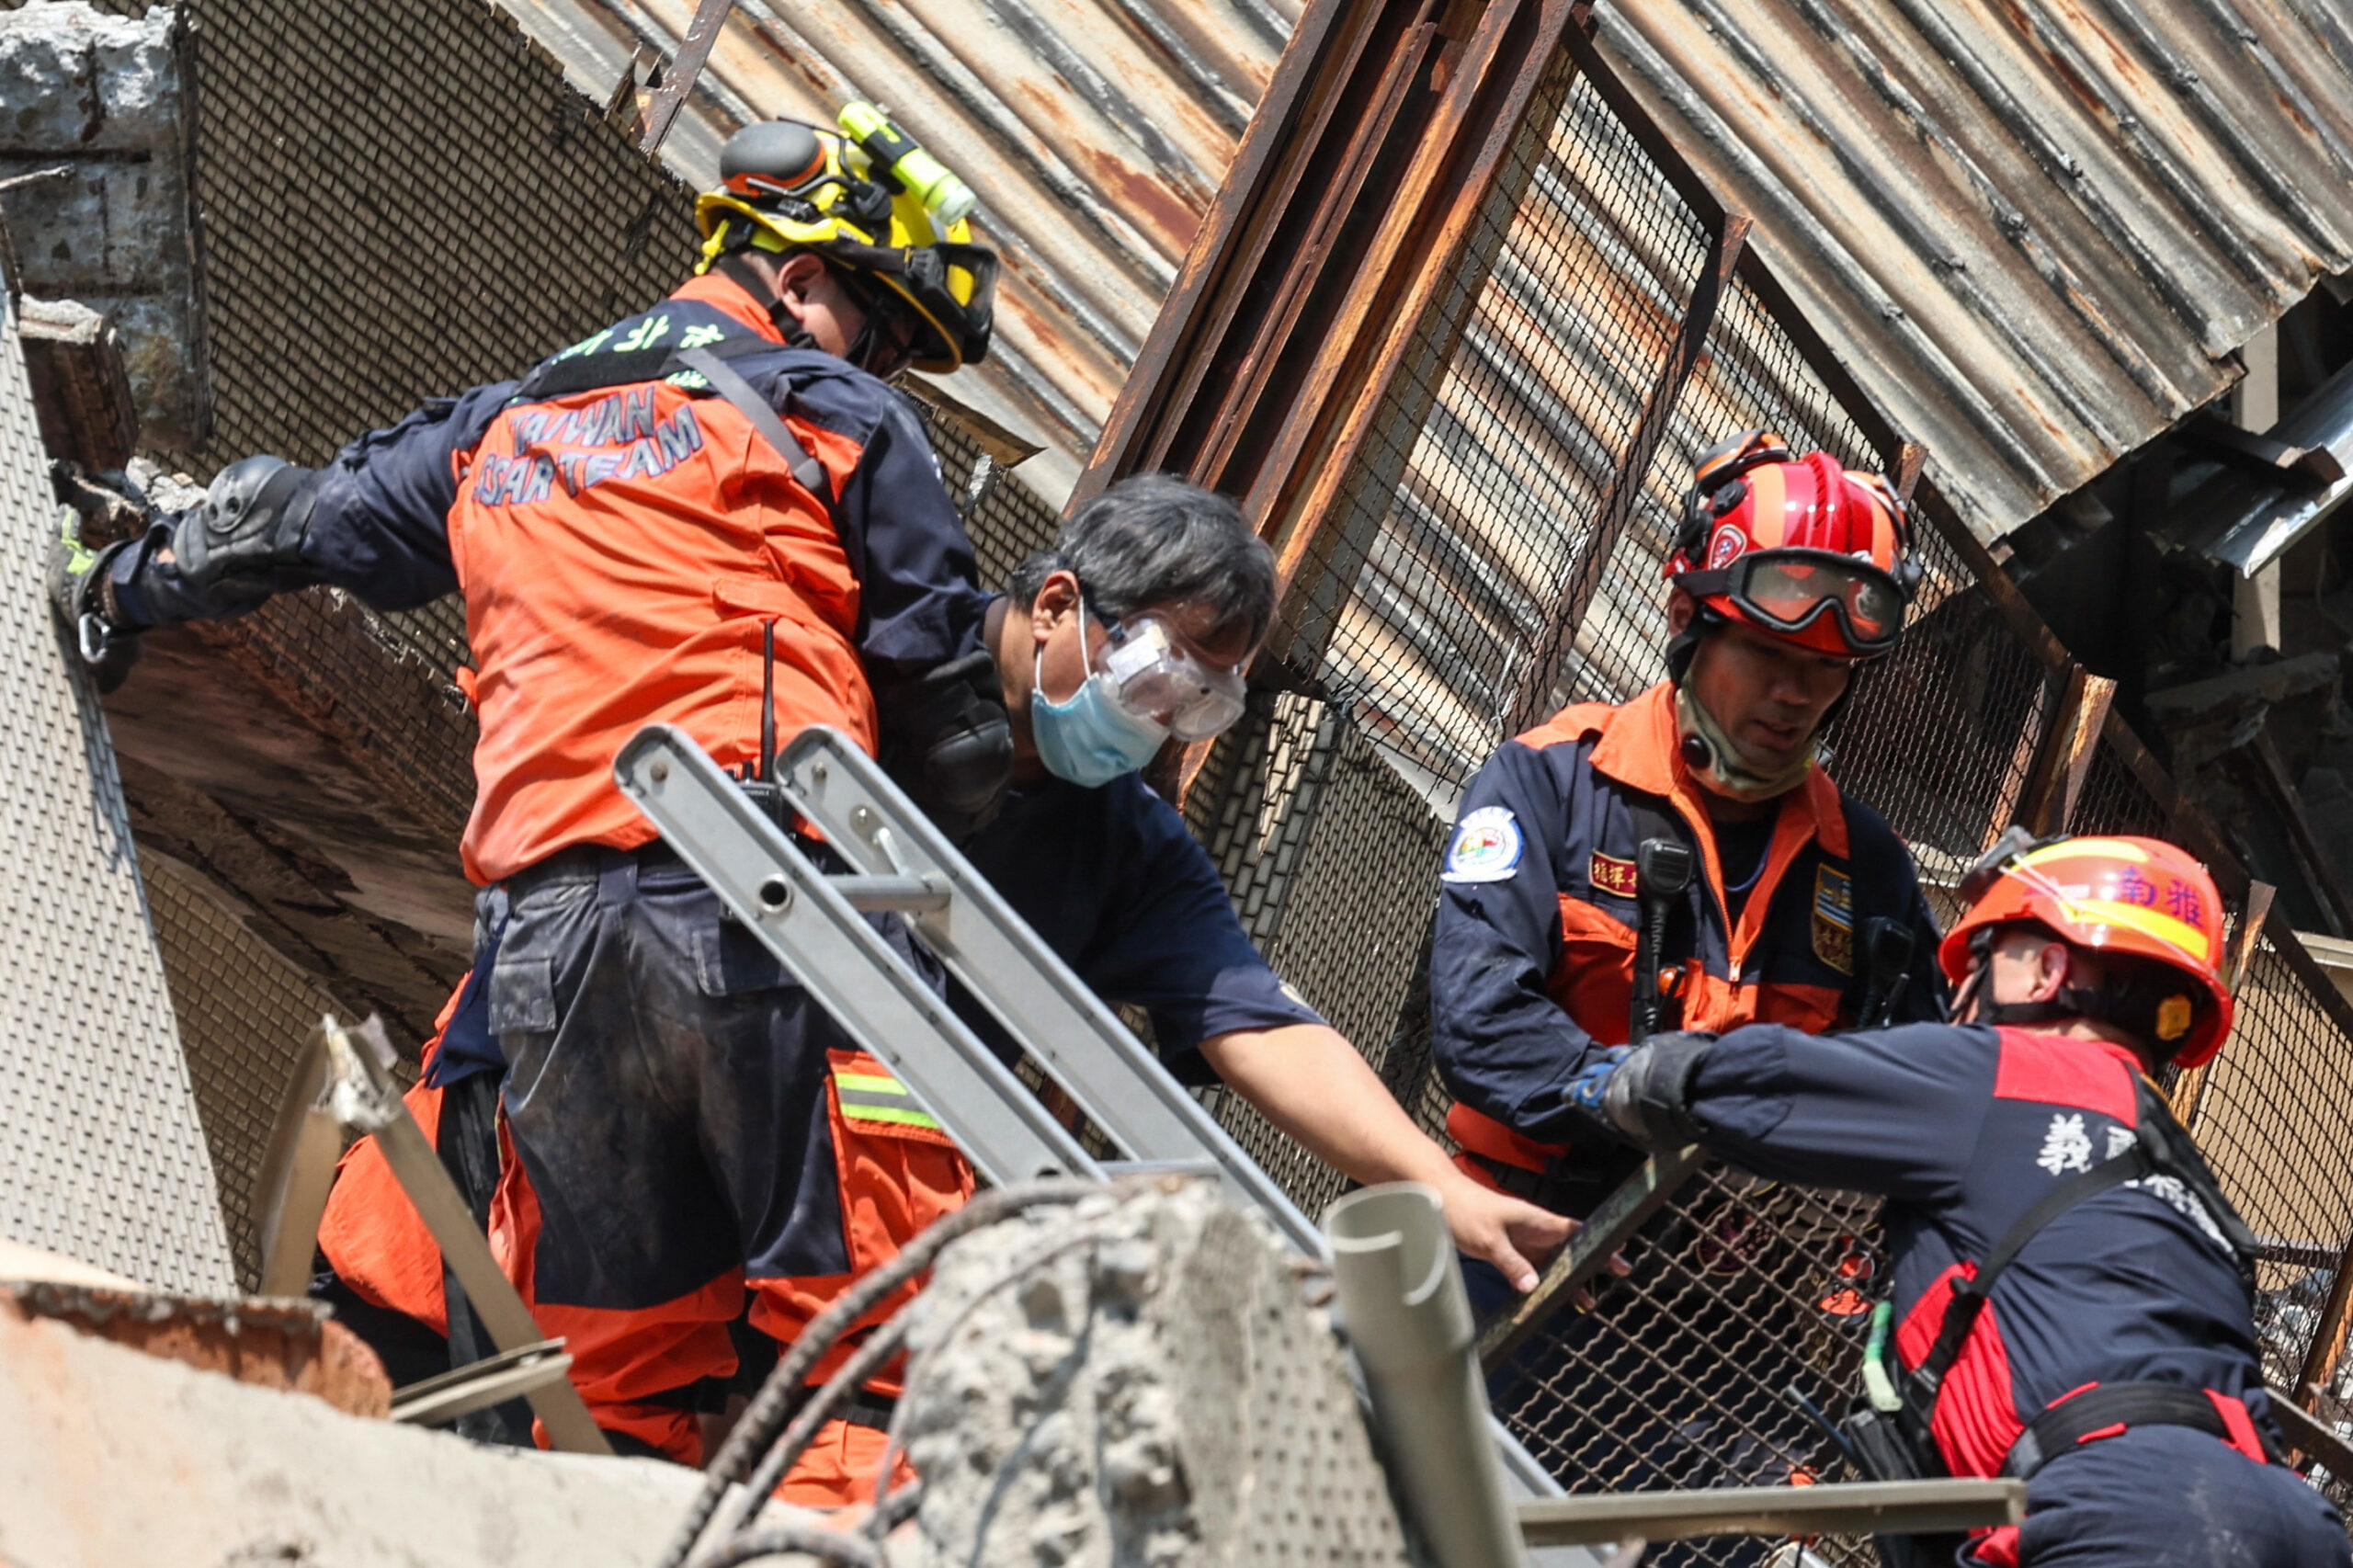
<point>2071,743</point>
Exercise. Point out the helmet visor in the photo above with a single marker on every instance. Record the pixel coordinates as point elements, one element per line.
<point>1789,590</point>
<point>1155,677</point>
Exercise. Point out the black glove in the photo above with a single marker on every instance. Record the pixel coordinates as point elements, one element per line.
<point>947,743</point>
<point>1647,1096</point>
<point>98,518</point>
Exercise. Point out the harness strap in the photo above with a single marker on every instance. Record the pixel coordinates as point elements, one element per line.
<point>589,372</point>
<point>1970,1294</point>
<point>806,469</point>
<point>2113,1407</point>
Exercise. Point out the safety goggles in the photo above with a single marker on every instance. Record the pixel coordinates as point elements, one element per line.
<point>1789,590</point>
<point>1154,677</point>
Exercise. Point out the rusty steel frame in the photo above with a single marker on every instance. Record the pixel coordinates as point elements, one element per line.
<point>694,51</point>
<point>1599,1237</point>
<point>1348,207</point>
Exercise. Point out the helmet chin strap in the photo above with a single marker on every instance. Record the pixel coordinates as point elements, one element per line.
<point>2134,1004</point>
<point>1717,764</point>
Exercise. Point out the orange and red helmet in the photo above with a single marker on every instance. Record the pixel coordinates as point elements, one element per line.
<point>2140,897</point>
<point>1799,548</point>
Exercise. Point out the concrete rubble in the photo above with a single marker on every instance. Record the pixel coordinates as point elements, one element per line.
<point>1137,1382</point>
<point>110,1457</point>
<point>104,99</point>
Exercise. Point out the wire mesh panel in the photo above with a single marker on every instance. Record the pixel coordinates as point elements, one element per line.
<point>245,1015</point>
<point>1473,504</point>
<point>102,1154</point>
<point>1472,575</point>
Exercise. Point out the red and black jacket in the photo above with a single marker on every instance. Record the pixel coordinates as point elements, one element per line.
<point>1965,1127</point>
<point>1533,966</point>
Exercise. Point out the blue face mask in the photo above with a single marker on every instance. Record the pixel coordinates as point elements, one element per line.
<point>1090,739</point>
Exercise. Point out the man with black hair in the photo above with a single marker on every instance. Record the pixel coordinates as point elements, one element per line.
<point>1802,906</point>
<point>2072,1294</point>
<point>1134,629</point>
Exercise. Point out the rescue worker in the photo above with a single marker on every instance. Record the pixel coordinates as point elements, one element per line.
<point>1802,906</point>
<point>710,497</point>
<point>1135,628</point>
<point>1786,573</point>
<point>2072,1291</point>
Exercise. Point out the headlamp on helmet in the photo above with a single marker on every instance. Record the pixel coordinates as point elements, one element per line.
<point>874,204</point>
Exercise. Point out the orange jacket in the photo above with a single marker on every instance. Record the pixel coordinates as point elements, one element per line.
<point>620,549</point>
<point>1533,966</point>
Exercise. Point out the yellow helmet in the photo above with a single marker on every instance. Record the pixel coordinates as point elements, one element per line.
<point>873,203</point>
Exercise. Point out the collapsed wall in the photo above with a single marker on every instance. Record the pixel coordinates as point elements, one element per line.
<point>1136,1383</point>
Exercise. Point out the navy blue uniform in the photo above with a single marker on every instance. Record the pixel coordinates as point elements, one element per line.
<point>1533,966</point>
<point>1122,893</point>
<point>1964,1128</point>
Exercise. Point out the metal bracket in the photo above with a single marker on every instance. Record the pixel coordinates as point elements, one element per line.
<point>1861,1507</point>
<point>813,924</point>
<point>493,1380</point>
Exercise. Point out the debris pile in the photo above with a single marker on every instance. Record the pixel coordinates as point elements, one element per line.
<point>1136,1382</point>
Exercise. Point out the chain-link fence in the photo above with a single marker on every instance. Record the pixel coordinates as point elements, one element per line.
<point>1495,555</point>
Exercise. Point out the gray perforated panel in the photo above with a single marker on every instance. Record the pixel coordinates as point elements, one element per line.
<point>101,1157</point>
<point>244,1013</point>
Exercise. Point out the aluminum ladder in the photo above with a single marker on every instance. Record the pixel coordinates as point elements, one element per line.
<point>814,922</point>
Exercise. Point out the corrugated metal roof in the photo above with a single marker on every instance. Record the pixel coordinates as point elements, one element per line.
<point>2035,229</point>
<point>1095,131</point>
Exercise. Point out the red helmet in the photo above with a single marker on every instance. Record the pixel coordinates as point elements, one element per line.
<point>2139,896</point>
<point>1798,547</point>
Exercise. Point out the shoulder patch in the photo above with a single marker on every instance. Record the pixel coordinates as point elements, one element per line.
<point>1610,874</point>
<point>1486,848</point>
<point>1833,918</point>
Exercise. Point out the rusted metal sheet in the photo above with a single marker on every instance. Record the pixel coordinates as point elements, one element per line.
<point>1097,133</point>
<point>2038,231</point>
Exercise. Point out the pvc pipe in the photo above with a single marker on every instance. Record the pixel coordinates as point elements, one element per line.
<point>1402,1305</point>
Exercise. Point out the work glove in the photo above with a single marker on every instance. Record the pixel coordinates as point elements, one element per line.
<point>99,516</point>
<point>1585,1091</point>
<point>946,741</point>
<point>1643,1093</point>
